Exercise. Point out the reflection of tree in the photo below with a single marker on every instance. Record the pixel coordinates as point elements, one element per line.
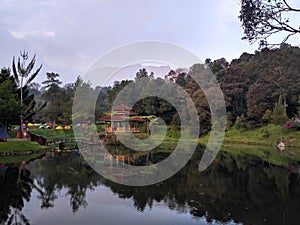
<point>13,218</point>
<point>65,171</point>
<point>77,197</point>
<point>253,194</point>
<point>15,188</point>
<point>238,188</point>
<point>46,194</point>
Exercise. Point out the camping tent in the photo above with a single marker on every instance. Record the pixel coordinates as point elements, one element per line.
<point>67,127</point>
<point>3,134</point>
<point>59,128</point>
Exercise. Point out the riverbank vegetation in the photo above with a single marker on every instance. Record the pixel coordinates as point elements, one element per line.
<point>258,88</point>
<point>261,136</point>
<point>19,150</point>
<point>261,94</point>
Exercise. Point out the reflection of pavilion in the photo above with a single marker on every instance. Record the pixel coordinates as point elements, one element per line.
<point>122,119</point>
<point>120,158</point>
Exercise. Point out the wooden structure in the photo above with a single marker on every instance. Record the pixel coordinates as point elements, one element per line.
<point>122,119</point>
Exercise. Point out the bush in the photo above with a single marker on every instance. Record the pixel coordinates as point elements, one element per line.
<point>240,123</point>
<point>265,132</point>
<point>279,116</point>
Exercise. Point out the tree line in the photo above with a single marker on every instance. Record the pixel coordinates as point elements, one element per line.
<point>259,88</point>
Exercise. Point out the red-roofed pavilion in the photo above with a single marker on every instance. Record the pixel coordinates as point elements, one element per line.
<point>122,119</point>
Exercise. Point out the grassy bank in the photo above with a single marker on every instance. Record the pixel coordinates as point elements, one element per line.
<point>18,150</point>
<point>19,145</point>
<point>19,158</point>
<point>264,136</point>
<point>261,142</point>
<point>51,134</point>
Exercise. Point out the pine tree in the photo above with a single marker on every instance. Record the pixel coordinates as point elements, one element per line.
<point>279,116</point>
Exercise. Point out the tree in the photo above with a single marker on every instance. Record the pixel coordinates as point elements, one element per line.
<point>298,108</point>
<point>240,122</point>
<point>279,116</point>
<point>83,108</point>
<point>52,84</point>
<point>142,73</point>
<point>235,84</point>
<point>113,93</point>
<point>9,104</point>
<point>23,77</point>
<point>267,116</point>
<point>198,97</point>
<point>259,98</point>
<point>264,18</point>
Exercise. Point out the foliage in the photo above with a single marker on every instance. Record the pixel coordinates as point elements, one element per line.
<point>298,108</point>
<point>229,122</point>
<point>86,96</point>
<point>113,92</point>
<point>9,104</point>
<point>218,67</point>
<point>279,116</point>
<point>198,98</point>
<point>21,73</point>
<point>52,84</point>
<point>235,85</point>
<point>23,77</point>
<point>256,137</point>
<point>264,18</point>
<point>240,122</point>
<point>253,83</point>
<point>267,116</point>
<point>265,132</point>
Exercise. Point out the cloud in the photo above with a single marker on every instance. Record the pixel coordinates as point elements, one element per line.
<point>68,36</point>
<point>33,34</point>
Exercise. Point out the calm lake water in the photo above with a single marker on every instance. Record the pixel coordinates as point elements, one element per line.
<point>63,189</point>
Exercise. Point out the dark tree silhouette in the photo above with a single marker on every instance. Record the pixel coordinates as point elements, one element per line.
<point>52,84</point>
<point>264,18</point>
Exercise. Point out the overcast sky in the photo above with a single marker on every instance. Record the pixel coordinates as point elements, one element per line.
<point>69,35</point>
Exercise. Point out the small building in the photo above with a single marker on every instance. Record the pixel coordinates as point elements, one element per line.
<point>122,119</point>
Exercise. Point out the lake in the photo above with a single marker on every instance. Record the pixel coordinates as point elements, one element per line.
<point>63,189</point>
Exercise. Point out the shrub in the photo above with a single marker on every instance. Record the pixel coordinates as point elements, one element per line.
<point>265,132</point>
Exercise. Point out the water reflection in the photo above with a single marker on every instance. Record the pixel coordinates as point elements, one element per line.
<point>15,189</point>
<point>234,189</point>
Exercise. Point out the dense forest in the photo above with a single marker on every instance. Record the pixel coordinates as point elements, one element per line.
<point>259,88</point>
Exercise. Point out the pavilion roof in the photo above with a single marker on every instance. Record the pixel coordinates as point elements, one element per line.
<point>121,118</point>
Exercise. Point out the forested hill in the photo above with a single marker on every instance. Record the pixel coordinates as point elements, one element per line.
<point>259,88</point>
<point>254,83</point>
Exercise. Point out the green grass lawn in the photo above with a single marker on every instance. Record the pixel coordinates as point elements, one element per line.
<point>19,145</point>
<point>51,134</point>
